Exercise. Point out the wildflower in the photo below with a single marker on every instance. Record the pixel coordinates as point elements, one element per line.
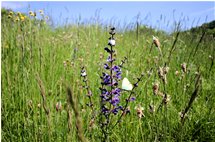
<point>111,41</point>
<point>9,16</point>
<point>31,13</point>
<point>11,13</point>
<point>110,60</point>
<point>47,18</point>
<point>106,78</point>
<point>112,31</point>
<point>115,100</point>
<point>22,18</point>
<point>41,12</point>
<point>58,106</point>
<point>140,110</point>
<point>131,99</point>
<point>106,66</point>
<point>19,13</point>
<point>17,18</point>
<point>83,73</point>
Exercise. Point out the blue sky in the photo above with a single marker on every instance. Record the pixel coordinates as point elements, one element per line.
<point>191,13</point>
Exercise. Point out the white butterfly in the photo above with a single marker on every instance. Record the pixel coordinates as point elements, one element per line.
<point>126,85</point>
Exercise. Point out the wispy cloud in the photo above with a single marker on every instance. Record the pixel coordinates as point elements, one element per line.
<point>14,5</point>
<point>206,11</point>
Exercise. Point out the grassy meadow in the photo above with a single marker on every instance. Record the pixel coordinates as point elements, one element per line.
<point>40,64</point>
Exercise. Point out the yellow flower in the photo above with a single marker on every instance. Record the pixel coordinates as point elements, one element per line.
<point>17,18</point>
<point>11,13</point>
<point>22,18</point>
<point>41,12</point>
<point>31,13</point>
<point>19,13</point>
<point>9,16</point>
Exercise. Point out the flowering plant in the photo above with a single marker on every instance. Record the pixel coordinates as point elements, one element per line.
<point>112,107</point>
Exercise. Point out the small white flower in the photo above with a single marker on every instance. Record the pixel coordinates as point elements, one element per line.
<point>83,73</point>
<point>112,42</point>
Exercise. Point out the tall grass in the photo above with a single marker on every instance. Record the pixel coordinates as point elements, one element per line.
<point>39,63</point>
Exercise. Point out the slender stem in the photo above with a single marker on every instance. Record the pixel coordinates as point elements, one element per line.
<point>89,92</point>
<point>127,100</point>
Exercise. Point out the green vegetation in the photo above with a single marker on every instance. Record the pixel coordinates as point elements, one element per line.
<point>38,63</point>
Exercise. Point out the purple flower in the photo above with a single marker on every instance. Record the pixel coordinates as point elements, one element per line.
<point>104,110</point>
<point>115,100</point>
<point>118,75</point>
<point>109,59</point>
<point>106,66</point>
<point>105,92</point>
<point>104,97</point>
<point>115,111</point>
<point>116,91</point>
<point>115,83</point>
<point>116,68</point>
<point>106,79</point>
<point>132,99</point>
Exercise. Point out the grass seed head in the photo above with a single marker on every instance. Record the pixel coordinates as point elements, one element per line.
<point>140,111</point>
<point>184,67</point>
<point>58,106</point>
<point>156,41</point>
